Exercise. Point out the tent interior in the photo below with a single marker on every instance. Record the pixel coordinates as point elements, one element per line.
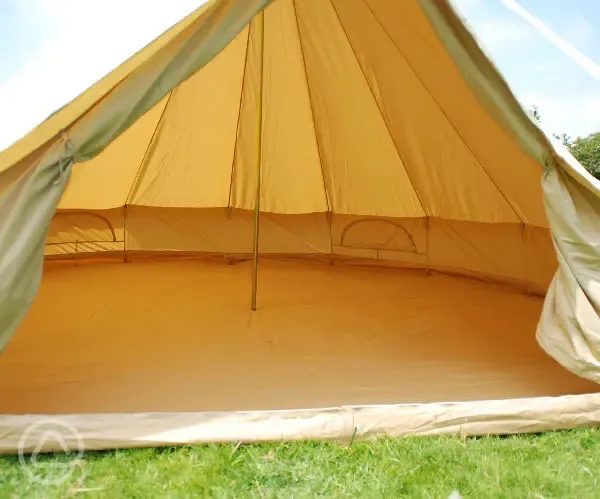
<point>404,251</point>
<point>178,336</point>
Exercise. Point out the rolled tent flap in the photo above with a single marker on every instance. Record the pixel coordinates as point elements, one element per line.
<point>34,173</point>
<point>569,329</point>
<point>26,208</point>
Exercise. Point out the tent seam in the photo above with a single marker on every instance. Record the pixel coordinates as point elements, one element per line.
<point>139,170</point>
<point>237,130</point>
<point>137,175</point>
<point>450,122</point>
<point>410,179</point>
<point>312,110</point>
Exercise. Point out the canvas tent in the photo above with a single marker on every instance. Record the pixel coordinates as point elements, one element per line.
<point>403,213</point>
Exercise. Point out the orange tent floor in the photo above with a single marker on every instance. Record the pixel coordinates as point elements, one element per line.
<point>178,335</point>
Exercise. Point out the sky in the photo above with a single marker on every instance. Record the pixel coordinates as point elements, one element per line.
<point>538,72</point>
<point>52,50</point>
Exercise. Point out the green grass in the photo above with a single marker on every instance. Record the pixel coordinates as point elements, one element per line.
<point>560,464</point>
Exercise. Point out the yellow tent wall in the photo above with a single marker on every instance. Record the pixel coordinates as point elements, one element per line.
<point>357,152</point>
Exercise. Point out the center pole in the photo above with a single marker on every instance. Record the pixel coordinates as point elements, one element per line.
<point>260,19</point>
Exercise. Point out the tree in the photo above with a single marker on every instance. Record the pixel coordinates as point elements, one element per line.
<point>587,152</point>
<point>565,139</point>
<point>585,149</point>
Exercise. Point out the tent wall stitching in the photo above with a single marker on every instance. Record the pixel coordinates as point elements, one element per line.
<point>402,159</point>
<point>439,106</point>
<point>239,119</point>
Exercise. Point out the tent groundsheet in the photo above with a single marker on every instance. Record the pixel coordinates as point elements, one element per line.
<point>176,336</point>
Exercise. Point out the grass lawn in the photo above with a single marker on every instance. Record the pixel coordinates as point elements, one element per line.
<point>560,464</point>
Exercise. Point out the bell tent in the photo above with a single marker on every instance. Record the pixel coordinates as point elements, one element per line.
<point>297,219</point>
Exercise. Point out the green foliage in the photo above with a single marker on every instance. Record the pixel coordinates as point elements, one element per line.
<point>555,464</point>
<point>585,149</point>
<point>587,152</point>
<point>565,139</point>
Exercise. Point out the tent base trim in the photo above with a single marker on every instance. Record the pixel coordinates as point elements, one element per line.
<point>86,432</point>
